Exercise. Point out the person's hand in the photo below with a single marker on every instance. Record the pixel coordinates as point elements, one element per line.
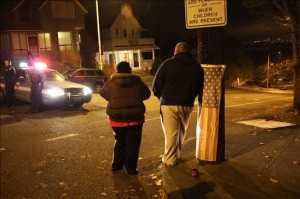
<point>98,89</point>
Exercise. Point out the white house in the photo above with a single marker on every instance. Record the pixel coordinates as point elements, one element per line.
<point>122,41</point>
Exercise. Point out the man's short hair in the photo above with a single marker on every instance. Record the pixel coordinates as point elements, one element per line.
<point>181,47</point>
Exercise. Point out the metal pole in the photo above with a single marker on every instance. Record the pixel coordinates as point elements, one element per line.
<point>268,70</point>
<point>99,39</point>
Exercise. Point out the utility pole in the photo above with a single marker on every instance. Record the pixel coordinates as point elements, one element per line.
<point>211,59</point>
<point>99,38</point>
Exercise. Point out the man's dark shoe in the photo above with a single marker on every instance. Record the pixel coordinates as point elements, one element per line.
<point>132,172</point>
<point>114,169</point>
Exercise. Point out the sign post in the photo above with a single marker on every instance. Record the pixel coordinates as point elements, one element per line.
<point>208,16</point>
<point>205,13</point>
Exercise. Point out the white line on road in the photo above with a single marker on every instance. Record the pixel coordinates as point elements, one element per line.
<point>235,105</point>
<point>61,137</point>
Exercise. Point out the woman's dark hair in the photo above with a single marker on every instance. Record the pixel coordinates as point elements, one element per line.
<point>123,67</point>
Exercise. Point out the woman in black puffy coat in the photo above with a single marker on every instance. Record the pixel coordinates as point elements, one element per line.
<point>125,94</point>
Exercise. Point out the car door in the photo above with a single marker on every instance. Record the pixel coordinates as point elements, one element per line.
<point>22,86</point>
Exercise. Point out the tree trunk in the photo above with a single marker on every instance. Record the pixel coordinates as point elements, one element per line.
<point>296,57</point>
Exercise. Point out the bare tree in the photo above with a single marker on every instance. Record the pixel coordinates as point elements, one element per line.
<point>285,13</point>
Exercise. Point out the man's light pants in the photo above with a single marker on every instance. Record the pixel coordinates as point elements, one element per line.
<point>174,120</point>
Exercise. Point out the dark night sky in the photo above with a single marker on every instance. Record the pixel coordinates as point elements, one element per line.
<point>166,19</point>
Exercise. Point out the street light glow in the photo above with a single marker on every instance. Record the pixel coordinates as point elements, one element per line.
<point>268,69</point>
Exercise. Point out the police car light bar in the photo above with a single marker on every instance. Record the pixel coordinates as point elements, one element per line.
<point>40,65</point>
<point>23,65</point>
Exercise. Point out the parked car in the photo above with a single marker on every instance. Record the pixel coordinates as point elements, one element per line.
<point>56,92</point>
<point>91,77</point>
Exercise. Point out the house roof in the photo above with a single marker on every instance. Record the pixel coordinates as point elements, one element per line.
<point>126,11</point>
<point>8,6</point>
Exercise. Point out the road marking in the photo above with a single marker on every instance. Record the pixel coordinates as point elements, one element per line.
<point>229,106</point>
<point>61,137</point>
<point>235,105</point>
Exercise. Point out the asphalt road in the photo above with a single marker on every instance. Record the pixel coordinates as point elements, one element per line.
<point>67,152</point>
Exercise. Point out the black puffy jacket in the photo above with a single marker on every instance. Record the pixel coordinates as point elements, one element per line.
<point>125,94</point>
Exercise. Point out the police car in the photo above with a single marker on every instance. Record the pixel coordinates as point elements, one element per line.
<point>56,91</point>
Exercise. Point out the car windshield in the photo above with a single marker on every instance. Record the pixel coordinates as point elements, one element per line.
<point>54,76</point>
<point>68,72</point>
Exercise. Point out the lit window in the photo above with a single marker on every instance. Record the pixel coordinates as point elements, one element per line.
<point>19,42</point>
<point>62,10</point>
<point>64,41</point>
<point>45,41</point>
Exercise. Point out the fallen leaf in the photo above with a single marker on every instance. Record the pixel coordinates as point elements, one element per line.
<point>103,194</point>
<point>295,162</point>
<point>50,154</point>
<point>3,149</point>
<point>102,136</point>
<point>155,196</point>
<point>296,139</point>
<point>261,143</point>
<point>64,195</point>
<point>273,180</point>
<point>158,182</point>
<point>42,163</point>
<point>61,183</point>
<point>43,185</point>
<point>38,172</point>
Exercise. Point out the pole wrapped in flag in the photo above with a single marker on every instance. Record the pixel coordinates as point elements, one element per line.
<point>210,141</point>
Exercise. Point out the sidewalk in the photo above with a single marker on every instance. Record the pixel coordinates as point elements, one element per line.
<point>261,163</point>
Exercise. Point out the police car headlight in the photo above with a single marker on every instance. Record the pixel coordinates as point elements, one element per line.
<point>55,92</point>
<point>87,91</point>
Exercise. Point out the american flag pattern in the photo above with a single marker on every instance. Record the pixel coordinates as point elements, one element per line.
<point>208,113</point>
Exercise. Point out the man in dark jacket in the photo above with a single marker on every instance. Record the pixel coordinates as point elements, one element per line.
<point>37,79</point>
<point>178,81</point>
<point>125,94</point>
<point>10,80</point>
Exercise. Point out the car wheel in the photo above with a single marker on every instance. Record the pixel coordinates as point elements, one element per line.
<point>78,105</point>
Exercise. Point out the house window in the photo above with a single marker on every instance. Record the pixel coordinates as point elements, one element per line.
<point>64,41</point>
<point>19,42</point>
<point>117,31</point>
<point>132,32</point>
<point>125,32</point>
<point>62,10</point>
<point>45,41</point>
